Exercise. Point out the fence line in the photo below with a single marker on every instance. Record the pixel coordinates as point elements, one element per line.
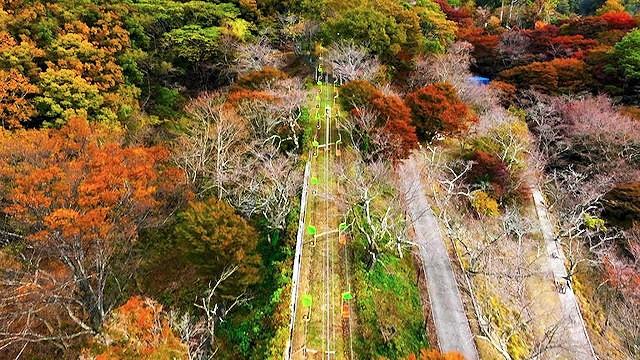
<point>297,260</point>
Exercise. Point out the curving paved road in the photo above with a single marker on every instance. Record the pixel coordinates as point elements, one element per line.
<point>452,325</point>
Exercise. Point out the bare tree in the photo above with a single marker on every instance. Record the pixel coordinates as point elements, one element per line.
<point>514,47</point>
<point>275,121</point>
<point>499,259</point>
<point>211,151</point>
<point>348,61</point>
<point>256,55</point>
<point>374,210</point>
<point>266,186</point>
<point>199,331</point>
<point>590,127</point>
<point>240,157</point>
<point>366,136</point>
<point>453,67</point>
<point>61,288</point>
<point>548,127</point>
<point>597,125</point>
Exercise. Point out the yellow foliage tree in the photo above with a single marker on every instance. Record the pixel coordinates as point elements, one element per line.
<point>611,6</point>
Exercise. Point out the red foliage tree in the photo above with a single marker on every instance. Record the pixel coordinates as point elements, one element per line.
<point>392,107</point>
<point>485,49</point>
<point>438,109</point>
<point>588,26</point>
<point>549,43</point>
<point>619,20</point>
<point>397,124</point>
<point>393,116</point>
<point>591,26</point>
<point>506,92</point>
<point>462,16</point>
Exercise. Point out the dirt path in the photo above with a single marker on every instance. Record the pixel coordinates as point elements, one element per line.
<point>452,325</point>
<point>577,342</point>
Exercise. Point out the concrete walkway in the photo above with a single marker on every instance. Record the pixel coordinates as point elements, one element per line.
<point>452,325</point>
<point>578,343</point>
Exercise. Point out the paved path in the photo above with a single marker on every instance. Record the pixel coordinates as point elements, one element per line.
<point>452,325</point>
<point>578,345</point>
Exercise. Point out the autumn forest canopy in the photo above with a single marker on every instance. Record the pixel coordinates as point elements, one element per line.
<point>164,163</point>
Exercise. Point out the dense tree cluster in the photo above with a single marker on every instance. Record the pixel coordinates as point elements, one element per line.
<point>78,198</point>
<point>591,54</point>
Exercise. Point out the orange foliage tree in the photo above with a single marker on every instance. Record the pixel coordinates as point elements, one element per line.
<point>261,79</point>
<point>79,198</point>
<point>573,75</point>
<point>555,76</point>
<point>438,109</point>
<point>15,107</point>
<point>138,330</point>
<point>539,76</point>
<point>435,355</point>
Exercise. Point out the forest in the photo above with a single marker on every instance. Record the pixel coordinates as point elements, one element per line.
<point>320,179</point>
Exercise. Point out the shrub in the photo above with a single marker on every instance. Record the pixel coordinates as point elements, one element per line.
<point>484,204</point>
<point>387,299</point>
<point>490,172</point>
<point>509,139</point>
